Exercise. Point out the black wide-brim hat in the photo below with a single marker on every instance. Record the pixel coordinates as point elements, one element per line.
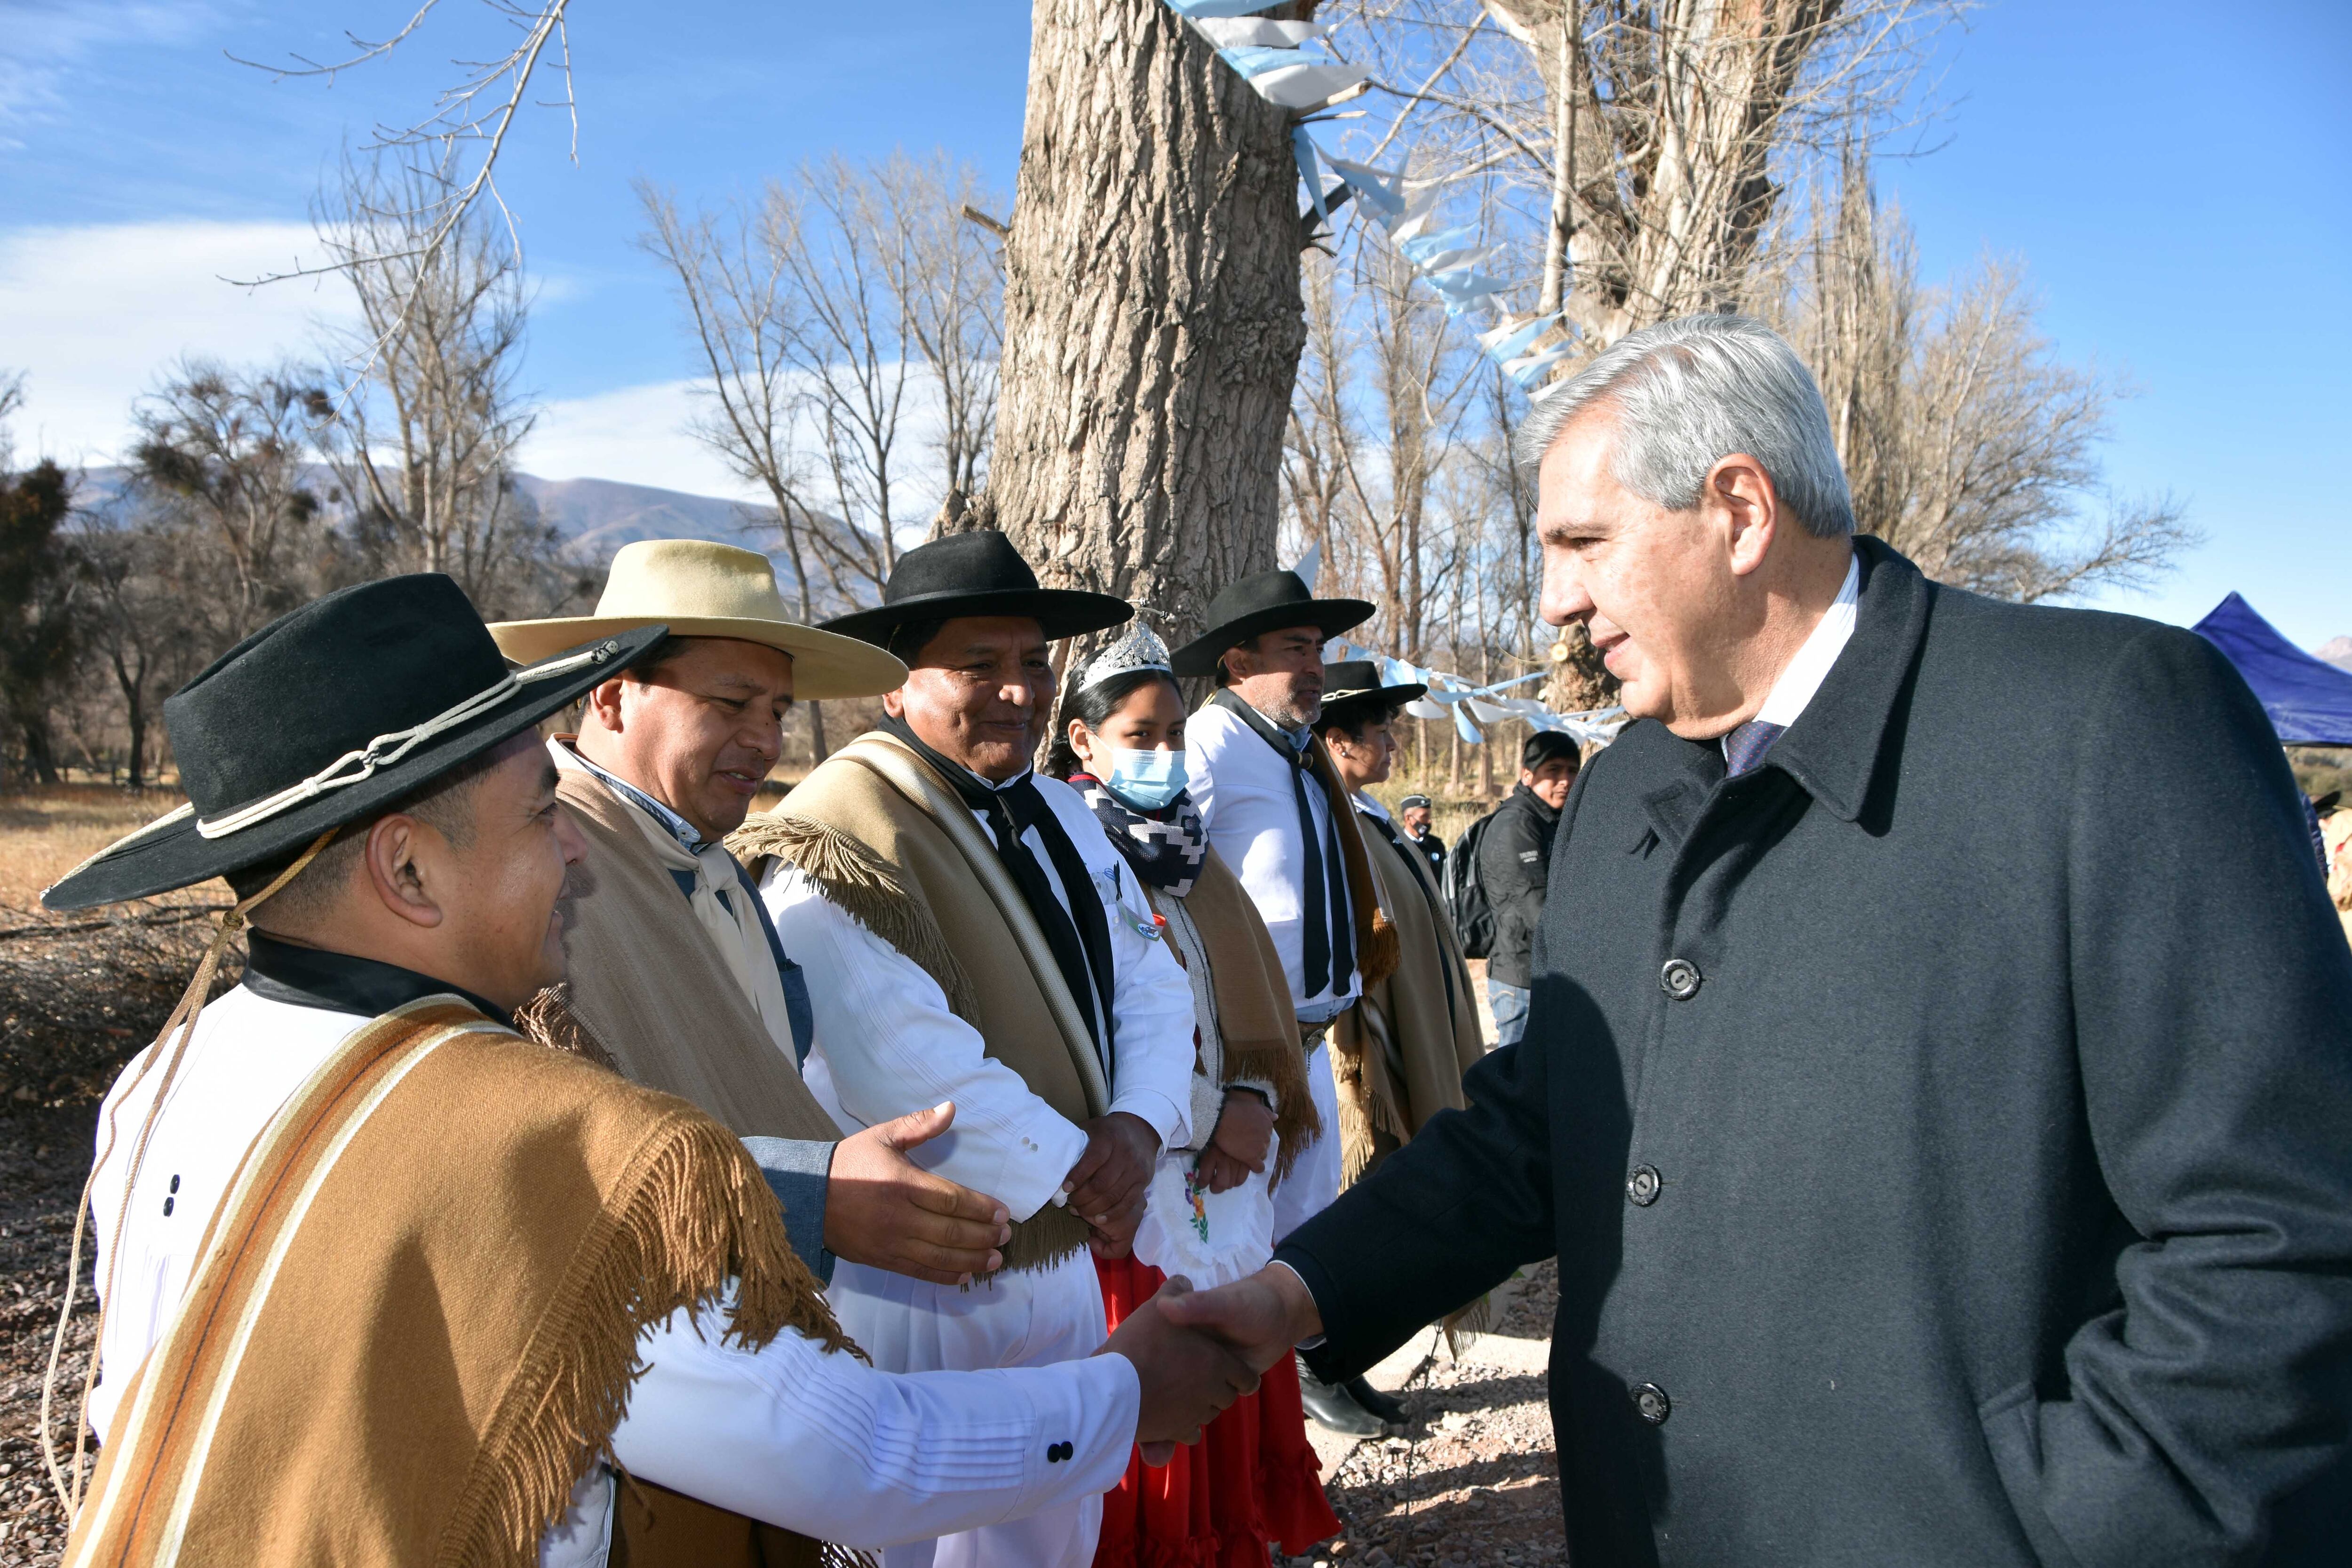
<point>1265,602</point>
<point>1348,682</point>
<point>977,574</point>
<point>330,715</point>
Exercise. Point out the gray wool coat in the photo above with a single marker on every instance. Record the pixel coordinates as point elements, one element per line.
<point>1944,1130</point>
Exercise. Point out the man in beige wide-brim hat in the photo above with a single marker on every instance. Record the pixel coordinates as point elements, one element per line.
<point>675,971</point>
<point>699,589</point>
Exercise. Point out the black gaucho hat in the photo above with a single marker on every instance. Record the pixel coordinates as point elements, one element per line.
<point>976,573</point>
<point>1265,602</point>
<point>328,715</point>
<point>1350,681</point>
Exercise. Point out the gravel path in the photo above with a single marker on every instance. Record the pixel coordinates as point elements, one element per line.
<point>1471,1483</point>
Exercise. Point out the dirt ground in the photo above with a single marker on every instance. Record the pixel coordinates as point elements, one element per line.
<point>1471,1481</point>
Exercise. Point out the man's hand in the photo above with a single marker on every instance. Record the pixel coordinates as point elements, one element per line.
<point>883,1210</point>
<point>1108,1185</point>
<point>1261,1317</point>
<point>1188,1377</point>
<point>1239,1146</point>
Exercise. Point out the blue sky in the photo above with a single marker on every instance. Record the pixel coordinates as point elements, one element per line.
<point>2176,179</point>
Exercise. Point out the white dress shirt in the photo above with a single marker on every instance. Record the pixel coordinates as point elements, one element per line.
<point>1242,788</point>
<point>887,1043</point>
<point>810,1441</point>
<point>1794,689</point>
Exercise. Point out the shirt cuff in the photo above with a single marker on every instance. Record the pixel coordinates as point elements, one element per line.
<point>1284,1264</point>
<point>797,1170</point>
<point>1156,1111</point>
<point>1086,1422</point>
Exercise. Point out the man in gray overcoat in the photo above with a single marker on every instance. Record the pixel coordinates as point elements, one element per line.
<point>1946,1167</point>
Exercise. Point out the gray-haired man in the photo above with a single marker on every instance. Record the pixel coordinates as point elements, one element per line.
<point>1944,1168</point>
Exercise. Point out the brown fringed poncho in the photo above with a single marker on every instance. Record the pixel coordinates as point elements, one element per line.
<point>414,1322</point>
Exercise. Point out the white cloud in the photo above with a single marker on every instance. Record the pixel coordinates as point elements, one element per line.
<point>633,434</point>
<point>95,313</point>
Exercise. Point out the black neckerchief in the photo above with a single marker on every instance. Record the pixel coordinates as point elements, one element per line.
<point>1079,935</point>
<point>1327,949</point>
<point>340,982</point>
<point>1165,848</point>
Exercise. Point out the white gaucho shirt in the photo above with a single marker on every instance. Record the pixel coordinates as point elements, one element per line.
<point>1242,788</point>
<point>887,1043</point>
<point>819,1443</point>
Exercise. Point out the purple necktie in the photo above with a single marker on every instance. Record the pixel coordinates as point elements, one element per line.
<point>1744,748</point>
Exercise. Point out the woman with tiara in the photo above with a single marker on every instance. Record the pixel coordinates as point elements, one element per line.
<point>1252,1479</point>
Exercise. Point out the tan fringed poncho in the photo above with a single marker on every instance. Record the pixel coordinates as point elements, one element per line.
<point>886,840</point>
<point>648,988</point>
<point>1399,1053</point>
<point>1256,1032</point>
<point>417,1315</point>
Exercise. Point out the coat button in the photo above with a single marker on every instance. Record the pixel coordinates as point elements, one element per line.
<point>1652,1403</point>
<point>1679,979</point>
<point>1643,1185</point>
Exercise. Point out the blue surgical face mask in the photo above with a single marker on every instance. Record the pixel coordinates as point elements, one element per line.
<point>1146,780</point>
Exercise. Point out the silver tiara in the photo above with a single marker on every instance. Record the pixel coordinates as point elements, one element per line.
<point>1139,648</point>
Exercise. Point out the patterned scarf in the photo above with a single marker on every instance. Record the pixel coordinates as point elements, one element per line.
<point>1166,852</point>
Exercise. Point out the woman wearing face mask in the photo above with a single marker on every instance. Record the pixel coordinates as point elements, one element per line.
<point>1252,1479</point>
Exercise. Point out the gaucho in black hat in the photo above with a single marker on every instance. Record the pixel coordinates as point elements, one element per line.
<point>1276,811</point>
<point>969,932</point>
<point>1399,1054</point>
<point>381,1279</point>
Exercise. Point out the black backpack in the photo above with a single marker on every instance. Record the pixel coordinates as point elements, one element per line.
<point>1465,893</point>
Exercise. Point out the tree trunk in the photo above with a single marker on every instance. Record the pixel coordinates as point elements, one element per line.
<point>1152,316</point>
<point>134,721</point>
<point>1580,681</point>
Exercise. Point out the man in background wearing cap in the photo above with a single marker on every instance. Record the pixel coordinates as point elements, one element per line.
<point>1276,813</point>
<point>1515,864</point>
<point>971,935</point>
<point>711,1007</point>
<point>1415,816</point>
<point>381,1281</point>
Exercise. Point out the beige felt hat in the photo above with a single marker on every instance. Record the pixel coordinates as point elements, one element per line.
<point>699,589</point>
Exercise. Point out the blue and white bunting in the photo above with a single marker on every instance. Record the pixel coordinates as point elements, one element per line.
<point>1273,57</point>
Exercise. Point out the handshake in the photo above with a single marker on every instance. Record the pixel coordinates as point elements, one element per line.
<point>1196,1352</point>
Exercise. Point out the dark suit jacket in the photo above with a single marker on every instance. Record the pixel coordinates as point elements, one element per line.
<point>1981,1192</point>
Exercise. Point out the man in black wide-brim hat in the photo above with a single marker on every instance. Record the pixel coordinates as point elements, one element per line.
<point>970,933</point>
<point>383,1282</point>
<point>1277,812</point>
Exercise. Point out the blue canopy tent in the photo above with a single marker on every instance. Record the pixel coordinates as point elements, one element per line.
<point>2309,700</point>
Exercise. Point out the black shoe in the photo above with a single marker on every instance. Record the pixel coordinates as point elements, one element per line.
<point>1387,1406</point>
<point>1334,1411</point>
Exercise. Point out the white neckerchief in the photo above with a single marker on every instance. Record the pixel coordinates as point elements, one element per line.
<point>1794,690</point>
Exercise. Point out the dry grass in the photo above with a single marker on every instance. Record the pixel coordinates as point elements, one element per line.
<point>44,833</point>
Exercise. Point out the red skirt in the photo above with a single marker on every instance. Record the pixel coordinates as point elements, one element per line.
<point>1252,1479</point>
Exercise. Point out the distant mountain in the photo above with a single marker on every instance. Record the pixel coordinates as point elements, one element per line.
<point>2337,651</point>
<point>599,516</point>
<point>593,516</point>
